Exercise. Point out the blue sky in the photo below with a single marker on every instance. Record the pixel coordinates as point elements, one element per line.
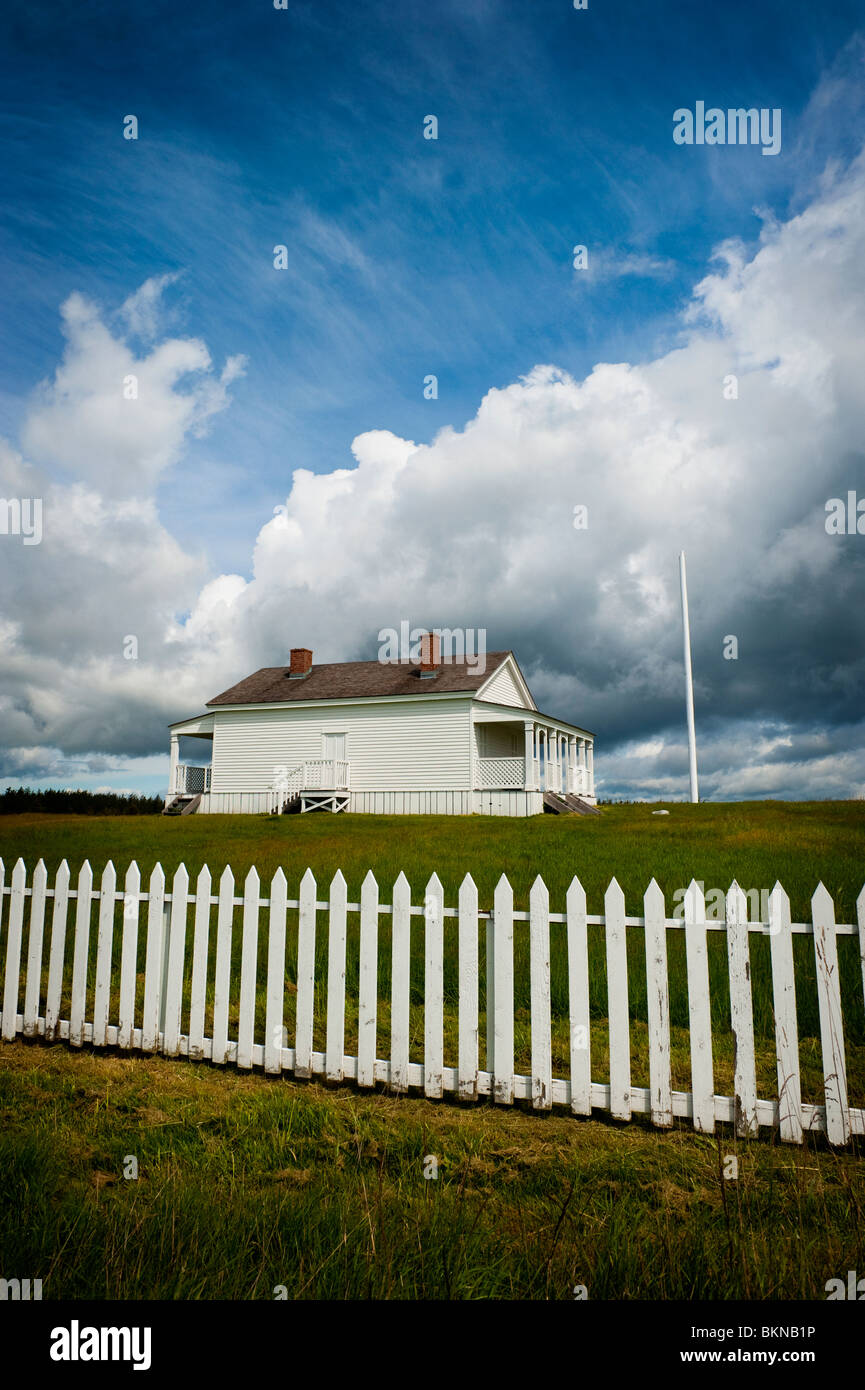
<point>407,256</point>
<point>410,257</point>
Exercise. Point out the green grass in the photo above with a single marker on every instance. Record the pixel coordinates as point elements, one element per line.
<point>246,1183</point>
<point>249,1182</point>
<point>798,843</point>
<point>757,843</point>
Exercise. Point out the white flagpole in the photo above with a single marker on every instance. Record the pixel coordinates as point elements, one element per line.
<point>689,683</point>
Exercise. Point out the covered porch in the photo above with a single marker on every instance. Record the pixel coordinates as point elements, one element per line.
<point>537,754</point>
<point>190,779</point>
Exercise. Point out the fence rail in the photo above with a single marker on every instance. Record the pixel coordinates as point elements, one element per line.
<point>190,975</point>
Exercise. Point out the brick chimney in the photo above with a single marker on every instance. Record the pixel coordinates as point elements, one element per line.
<point>430,654</point>
<point>301,662</point>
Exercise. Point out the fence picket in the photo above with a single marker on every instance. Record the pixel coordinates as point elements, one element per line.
<point>467,1069</point>
<point>3,897</point>
<point>222,981</point>
<point>578,1000</point>
<point>539,983</point>
<point>367,990</point>
<point>489,991</point>
<point>699,1013</point>
<point>80,956</point>
<point>433,1012</point>
<point>275,1014</point>
<point>400,984</point>
<point>503,993</point>
<point>57,954</point>
<point>104,941</point>
<point>34,952</point>
<point>336,938</point>
<point>248,969</point>
<point>658,1002</point>
<point>305,977</point>
<point>153,961</point>
<point>786,1024</point>
<point>176,961</point>
<point>617,1002</point>
<point>129,956</point>
<point>831,1026</point>
<point>741,1014</point>
<point>200,949</point>
<point>14,932</point>
<point>165,989</point>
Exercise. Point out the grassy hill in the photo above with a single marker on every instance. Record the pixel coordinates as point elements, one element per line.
<point>754,842</point>
<point>246,1182</point>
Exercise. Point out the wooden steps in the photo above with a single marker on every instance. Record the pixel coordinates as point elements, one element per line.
<point>182,805</point>
<point>567,804</point>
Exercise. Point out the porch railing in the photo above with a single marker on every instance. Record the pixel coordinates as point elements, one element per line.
<point>315,774</point>
<point>558,778</point>
<point>189,780</point>
<point>501,774</point>
<point>578,781</point>
<point>327,774</point>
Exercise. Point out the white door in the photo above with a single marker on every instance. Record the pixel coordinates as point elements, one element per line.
<point>334,753</point>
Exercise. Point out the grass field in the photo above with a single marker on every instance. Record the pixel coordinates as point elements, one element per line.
<point>248,1182</point>
<point>754,842</point>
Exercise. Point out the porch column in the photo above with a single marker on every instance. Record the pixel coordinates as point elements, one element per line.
<point>172,763</point>
<point>590,760</point>
<point>572,763</point>
<point>530,780</point>
<point>557,762</point>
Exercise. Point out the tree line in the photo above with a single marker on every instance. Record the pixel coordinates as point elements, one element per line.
<point>16,800</point>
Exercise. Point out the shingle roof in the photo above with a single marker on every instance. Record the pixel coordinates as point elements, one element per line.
<point>348,680</point>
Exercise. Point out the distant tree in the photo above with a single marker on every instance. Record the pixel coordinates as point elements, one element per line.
<point>59,801</point>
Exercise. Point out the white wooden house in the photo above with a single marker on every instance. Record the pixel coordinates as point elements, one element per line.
<point>425,737</point>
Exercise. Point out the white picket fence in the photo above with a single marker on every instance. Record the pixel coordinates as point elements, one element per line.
<point>159,1027</point>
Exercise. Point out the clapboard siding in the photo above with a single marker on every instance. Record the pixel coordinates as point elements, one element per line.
<point>235,804</point>
<point>503,689</point>
<point>384,803</point>
<point>508,803</point>
<point>422,745</point>
<point>391,803</point>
